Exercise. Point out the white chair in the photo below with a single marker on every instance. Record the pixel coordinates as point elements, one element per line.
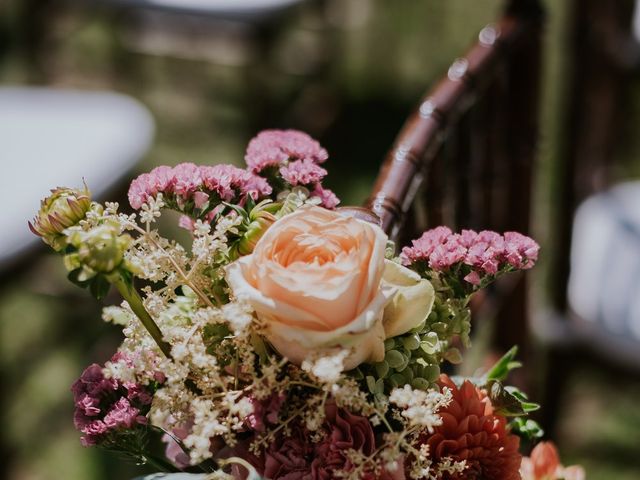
<point>52,138</point>
<point>604,286</point>
<point>242,10</point>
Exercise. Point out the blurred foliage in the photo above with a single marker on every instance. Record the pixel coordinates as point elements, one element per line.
<point>346,71</point>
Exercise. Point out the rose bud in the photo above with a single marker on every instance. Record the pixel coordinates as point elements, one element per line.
<point>64,208</point>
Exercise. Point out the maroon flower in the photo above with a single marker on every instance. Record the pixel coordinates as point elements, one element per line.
<point>297,457</point>
<point>265,412</point>
<point>344,431</point>
<point>106,405</point>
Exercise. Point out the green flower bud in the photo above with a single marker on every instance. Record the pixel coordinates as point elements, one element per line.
<point>439,327</point>
<point>100,249</point>
<point>261,218</point>
<point>64,208</point>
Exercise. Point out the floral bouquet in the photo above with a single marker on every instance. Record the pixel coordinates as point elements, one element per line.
<point>289,341</point>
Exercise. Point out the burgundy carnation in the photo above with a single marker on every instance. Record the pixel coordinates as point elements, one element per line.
<point>297,457</point>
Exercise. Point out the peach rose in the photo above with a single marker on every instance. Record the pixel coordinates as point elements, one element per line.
<point>319,281</point>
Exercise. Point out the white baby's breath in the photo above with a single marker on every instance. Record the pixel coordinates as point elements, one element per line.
<point>421,407</point>
<point>327,368</point>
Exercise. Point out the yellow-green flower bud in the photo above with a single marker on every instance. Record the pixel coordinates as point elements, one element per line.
<point>261,218</point>
<point>102,248</point>
<point>64,208</point>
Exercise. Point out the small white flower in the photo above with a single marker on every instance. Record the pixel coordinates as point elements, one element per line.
<point>326,369</point>
<point>420,407</point>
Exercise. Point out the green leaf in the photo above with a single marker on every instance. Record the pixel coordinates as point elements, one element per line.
<point>502,368</point>
<point>506,403</point>
<point>239,210</point>
<point>524,400</point>
<point>75,277</point>
<point>526,428</point>
<point>394,359</point>
<point>371,383</point>
<point>99,287</point>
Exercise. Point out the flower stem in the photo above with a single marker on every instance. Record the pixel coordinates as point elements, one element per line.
<point>131,295</point>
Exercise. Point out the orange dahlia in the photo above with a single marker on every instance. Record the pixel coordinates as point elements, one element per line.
<point>472,432</point>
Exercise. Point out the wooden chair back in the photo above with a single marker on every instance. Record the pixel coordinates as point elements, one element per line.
<point>465,156</point>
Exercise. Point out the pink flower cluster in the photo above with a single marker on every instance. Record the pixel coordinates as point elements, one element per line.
<point>485,253</point>
<point>189,182</point>
<point>106,405</point>
<point>197,190</point>
<point>295,157</point>
<point>275,148</point>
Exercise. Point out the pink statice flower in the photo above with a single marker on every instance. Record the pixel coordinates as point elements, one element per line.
<point>123,415</point>
<point>187,223</point>
<point>232,183</point>
<point>469,255</point>
<point>141,189</point>
<point>289,158</point>
<point>447,254</point>
<point>196,190</point>
<point>520,250</point>
<point>486,253</point>
<point>187,178</point>
<point>328,199</point>
<point>183,178</point>
<point>274,148</point>
<point>147,185</point>
<point>422,248</point>
<point>302,172</point>
<point>106,406</point>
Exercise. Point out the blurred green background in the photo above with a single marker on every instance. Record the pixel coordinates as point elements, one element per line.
<point>346,71</point>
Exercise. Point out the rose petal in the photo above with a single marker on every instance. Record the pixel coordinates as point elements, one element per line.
<point>412,303</point>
